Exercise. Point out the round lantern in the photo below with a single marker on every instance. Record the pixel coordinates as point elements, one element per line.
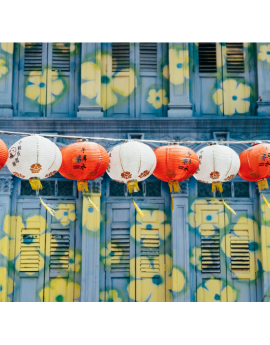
<point>255,165</point>
<point>3,154</point>
<point>34,158</point>
<point>130,163</point>
<point>175,163</point>
<point>217,164</point>
<point>83,161</point>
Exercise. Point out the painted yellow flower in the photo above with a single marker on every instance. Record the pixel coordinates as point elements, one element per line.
<point>233,97</point>
<point>65,213</point>
<point>6,285</point>
<point>215,290</point>
<point>264,54</point>
<point>75,261</point>
<point>59,290</point>
<point>152,220</point>
<point>108,255</point>
<point>156,284</point>
<point>3,68</point>
<point>179,67</point>
<point>111,296</point>
<point>157,98</point>
<point>104,85</point>
<point>39,90</point>
<point>196,258</point>
<point>7,47</point>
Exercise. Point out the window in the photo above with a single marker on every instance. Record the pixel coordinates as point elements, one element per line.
<point>53,187</point>
<point>47,82</point>
<point>220,70</point>
<point>147,189</point>
<point>230,190</point>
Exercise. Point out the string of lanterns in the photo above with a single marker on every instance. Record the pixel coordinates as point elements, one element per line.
<point>35,158</point>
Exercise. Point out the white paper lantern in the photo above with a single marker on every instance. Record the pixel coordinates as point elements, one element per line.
<point>131,162</point>
<point>34,157</point>
<point>217,163</point>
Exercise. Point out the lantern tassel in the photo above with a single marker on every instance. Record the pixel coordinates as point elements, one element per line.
<point>137,208</point>
<point>174,186</point>
<point>265,200</point>
<point>217,186</point>
<point>133,186</point>
<point>92,204</point>
<point>82,186</point>
<point>228,207</point>
<point>172,203</point>
<point>263,184</point>
<point>50,208</point>
<point>35,183</point>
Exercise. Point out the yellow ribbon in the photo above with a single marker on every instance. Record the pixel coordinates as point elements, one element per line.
<point>217,186</point>
<point>133,186</point>
<point>174,186</point>
<point>82,186</point>
<point>137,208</point>
<point>228,207</point>
<point>263,184</point>
<point>35,183</point>
<point>92,204</point>
<point>265,200</point>
<point>172,203</point>
<point>50,208</point>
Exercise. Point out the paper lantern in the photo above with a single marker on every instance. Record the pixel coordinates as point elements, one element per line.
<point>175,163</point>
<point>34,158</point>
<point>83,161</point>
<point>130,163</point>
<point>3,154</point>
<point>217,164</point>
<point>255,165</point>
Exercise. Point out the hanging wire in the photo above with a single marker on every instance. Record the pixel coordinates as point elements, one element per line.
<point>72,137</point>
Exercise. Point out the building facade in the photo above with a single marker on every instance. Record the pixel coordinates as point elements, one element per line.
<point>159,91</point>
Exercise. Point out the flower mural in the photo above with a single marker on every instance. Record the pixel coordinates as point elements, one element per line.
<point>101,83</point>
<point>60,290</point>
<point>7,47</point>
<point>6,285</point>
<point>157,98</point>
<point>110,296</point>
<point>179,66</point>
<point>216,290</point>
<point>65,213</point>
<point>75,261</point>
<point>110,253</point>
<point>39,90</point>
<point>3,68</point>
<point>233,97</point>
<point>264,53</point>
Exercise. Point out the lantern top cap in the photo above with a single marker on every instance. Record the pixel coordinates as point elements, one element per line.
<point>212,143</point>
<point>81,140</point>
<point>256,142</point>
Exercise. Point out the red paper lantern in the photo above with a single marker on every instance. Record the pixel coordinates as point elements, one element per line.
<point>83,161</point>
<point>175,163</point>
<point>255,165</point>
<point>3,154</point>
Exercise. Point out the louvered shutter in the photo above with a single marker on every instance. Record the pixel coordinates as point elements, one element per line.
<point>120,88</point>
<point>62,87</point>
<point>150,263</point>
<point>60,251</point>
<point>30,246</point>
<point>209,220</point>
<point>241,249</point>
<point>208,76</point>
<point>236,67</point>
<point>150,59</point>
<point>32,79</point>
<point>120,248</point>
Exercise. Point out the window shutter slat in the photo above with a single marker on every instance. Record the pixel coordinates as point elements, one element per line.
<point>240,256</point>
<point>210,252</point>
<point>150,250</point>
<point>59,253</point>
<point>148,57</point>
<point>61,57</point>
<point>120,250</point>
<point>207,58</point>
<point>33,57</point>
<point>30,248</point>
<point>235,57</point>
<point>121,56</point>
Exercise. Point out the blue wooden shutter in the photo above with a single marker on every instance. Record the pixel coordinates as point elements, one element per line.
<point>32,81</point>
<point>208,77</point>
<point>62,67</point>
